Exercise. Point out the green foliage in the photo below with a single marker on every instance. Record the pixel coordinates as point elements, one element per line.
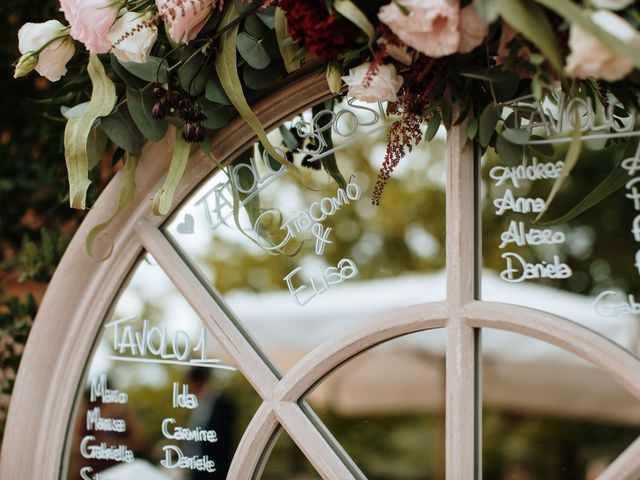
<point>16,319</point>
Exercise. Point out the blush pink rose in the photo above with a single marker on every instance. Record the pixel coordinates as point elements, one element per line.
<point>90,21</point>
<point>435,27</point>
<point>591,58</point>
<point>431,27</point>
<point>473,29</point>
<point>185,18</point>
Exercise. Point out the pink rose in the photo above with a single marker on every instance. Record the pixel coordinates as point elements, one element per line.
<point>591,58</point>
<point>90,21</point>
<point>435,27</point>
<point>473,29</point>
<point>185,18</point>
<point>381,87</point>
<point>431,27</point>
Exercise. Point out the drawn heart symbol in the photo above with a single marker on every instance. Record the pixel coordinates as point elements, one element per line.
<point>186,227</point>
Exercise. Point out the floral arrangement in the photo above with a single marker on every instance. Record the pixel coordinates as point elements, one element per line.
<point>131,68</point>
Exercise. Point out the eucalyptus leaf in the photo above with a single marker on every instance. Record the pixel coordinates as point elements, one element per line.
<point>214,91</point>
<point>511,153</point>
<point>267,16</point>
<point>545,149</point>
<point>155,69</point>
<point>127,77</point>
<point>270,44</point>
<point>140,107</point>
<point>472,128</point>
<point>254,26</point>
<point>225,63</point>
<point>265,78</point>
<point>488,122</point>
<point>432,127</point>
<point>78,129</point>
<point>252,51</point>
<point>193,74</point>
<point>531,21</point>
<point>122,131</point>
<point>218,116</point>
<point>519,136</point>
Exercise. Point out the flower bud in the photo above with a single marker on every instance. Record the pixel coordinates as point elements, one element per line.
<point>158,111</point>
<point>26,64</point>
<point>189,132</point>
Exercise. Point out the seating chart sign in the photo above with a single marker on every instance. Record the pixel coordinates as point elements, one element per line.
<point>560,217</point>
<point>293,254</point>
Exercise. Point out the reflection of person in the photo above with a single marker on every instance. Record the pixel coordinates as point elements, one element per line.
<point>214,412</point>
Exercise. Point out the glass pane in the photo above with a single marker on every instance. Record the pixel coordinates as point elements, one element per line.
<point>160,399</point>
<point>548,414</point>
<point>287,462</point>
<point>582,269</point>
<point>386,408</point>
<point>304,259</point>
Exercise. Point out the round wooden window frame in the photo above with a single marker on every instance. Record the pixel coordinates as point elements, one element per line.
<point>83,290</point>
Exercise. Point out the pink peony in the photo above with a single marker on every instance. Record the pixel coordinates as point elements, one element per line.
<point>435,27</point>
<point>90,21</point>
<point>185,18</point>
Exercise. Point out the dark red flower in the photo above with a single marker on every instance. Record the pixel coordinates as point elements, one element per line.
<point>324,33</point>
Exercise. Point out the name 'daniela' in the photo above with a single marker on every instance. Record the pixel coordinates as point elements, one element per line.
<point>517,233</point>
<point>345,270</point>
<point>517,204</point>
<point>518,270</point>
<point>99,390</point>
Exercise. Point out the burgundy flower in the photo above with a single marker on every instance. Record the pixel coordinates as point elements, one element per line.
<point>324,33</point>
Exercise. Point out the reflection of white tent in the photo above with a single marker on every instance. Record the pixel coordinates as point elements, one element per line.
<point>139,469</point>
<point>407,375</point>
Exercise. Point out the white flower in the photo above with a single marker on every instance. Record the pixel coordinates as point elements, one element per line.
<point>611,4</point>
<point>132,37</point>
<point>380,87</point>
<point>50,44</point>
<point>591,58</point>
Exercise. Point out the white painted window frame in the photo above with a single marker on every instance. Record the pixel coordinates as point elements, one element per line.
<point>83,291</point>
